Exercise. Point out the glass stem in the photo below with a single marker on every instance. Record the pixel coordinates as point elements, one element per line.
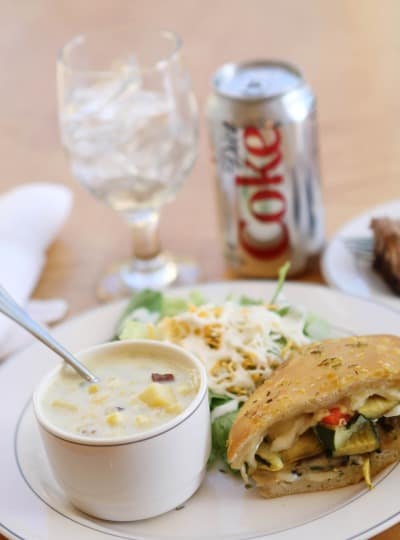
<point>146,235</point>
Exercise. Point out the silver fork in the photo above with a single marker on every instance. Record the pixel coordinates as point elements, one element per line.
<point>360,246</point>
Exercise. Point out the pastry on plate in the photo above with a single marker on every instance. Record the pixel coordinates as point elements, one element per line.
<point>386,259</point>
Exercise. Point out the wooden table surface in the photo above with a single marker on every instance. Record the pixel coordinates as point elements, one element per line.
<point>349,51</point>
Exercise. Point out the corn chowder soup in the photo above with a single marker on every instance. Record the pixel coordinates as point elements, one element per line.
<point>136,393</point>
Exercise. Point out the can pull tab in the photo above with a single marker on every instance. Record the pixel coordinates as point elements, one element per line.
<point>253,88</point>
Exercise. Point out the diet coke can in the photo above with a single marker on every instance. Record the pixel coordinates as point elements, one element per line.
<point>262,119</point>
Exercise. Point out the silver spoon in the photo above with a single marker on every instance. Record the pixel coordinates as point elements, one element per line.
<point>11,309</point>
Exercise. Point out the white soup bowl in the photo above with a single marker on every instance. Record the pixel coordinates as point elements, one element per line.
<point>138,476</point>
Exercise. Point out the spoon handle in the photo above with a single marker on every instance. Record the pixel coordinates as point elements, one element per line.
<point>11,309</point>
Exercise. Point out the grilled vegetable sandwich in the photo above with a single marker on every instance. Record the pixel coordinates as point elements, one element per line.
<point>328,418</point>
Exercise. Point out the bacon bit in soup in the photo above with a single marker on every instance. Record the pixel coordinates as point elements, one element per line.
<point>162,377</point>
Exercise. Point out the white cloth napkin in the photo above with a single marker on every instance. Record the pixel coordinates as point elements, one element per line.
<point>30,218</point>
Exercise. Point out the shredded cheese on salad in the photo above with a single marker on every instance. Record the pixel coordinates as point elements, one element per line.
<point>240,346</point>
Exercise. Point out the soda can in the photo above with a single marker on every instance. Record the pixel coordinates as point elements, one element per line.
<point>262,122</point>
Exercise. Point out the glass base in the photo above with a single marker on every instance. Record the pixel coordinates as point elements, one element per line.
<point>124,279</point>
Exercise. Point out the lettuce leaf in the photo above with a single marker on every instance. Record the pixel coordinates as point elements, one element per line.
<point>246,301</point>
<point>154,302</point>
<point>215,399</point>
<point>219,432</point>
<point>283,270</point>
<point>196,298</point>
<point>282,312</point>
<point>148,299</point>
<point>316,328</point>
<point>172,306</point>
<point>134,330</point>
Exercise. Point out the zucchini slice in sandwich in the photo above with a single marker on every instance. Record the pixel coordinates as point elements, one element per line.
<point>377,406</point>
<point>362,441</point>
<point>307,445</point>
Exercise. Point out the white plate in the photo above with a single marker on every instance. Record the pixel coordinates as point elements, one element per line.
<point>355,276</point>
<point>33,507</point>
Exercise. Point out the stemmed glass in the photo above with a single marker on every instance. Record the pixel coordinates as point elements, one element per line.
<point>128,121</point>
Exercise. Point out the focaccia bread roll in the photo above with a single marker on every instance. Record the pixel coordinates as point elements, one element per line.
<point>345,376</point>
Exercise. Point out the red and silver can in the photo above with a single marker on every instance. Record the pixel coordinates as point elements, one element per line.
<point>262,118</point>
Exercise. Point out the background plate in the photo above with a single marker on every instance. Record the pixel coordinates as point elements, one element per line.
<point>355,276</point>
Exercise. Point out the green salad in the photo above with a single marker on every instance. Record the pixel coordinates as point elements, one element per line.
<point>240,341</point>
